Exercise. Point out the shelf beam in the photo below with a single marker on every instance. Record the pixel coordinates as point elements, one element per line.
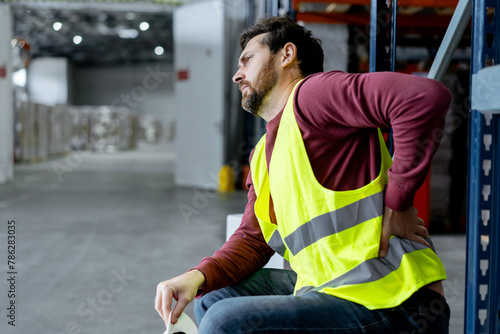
<point>403,3</point>
<point>416,21</point>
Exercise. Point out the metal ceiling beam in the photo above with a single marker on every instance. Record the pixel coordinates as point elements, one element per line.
<point>408,3</point>
<point>111,6</point>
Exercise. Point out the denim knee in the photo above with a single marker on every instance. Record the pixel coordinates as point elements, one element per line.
<point>217,318</point>
<point>199,309</point>
<point>201,305</point>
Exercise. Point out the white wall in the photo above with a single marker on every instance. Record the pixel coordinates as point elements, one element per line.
<point>48,80</point>
<point>145,88</point>
<point>6,96</point>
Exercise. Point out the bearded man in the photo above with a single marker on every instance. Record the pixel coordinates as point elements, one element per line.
<point>325,194</point>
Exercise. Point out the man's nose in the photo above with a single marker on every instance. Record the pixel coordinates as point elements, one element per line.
<point>238,76</point>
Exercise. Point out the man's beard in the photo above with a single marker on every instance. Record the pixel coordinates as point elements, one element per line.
<point>264,83</point>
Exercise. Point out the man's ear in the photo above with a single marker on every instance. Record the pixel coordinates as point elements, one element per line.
<point>288,54</point>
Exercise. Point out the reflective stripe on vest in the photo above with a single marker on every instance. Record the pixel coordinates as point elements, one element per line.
<point>336,221</point>
<point>276,243</point>
<point>373,269</point>
<point>332,238</point>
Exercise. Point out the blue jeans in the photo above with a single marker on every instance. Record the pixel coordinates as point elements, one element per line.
<point>263,303</point>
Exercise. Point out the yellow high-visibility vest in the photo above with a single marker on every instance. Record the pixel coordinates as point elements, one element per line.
<point>332,238</point>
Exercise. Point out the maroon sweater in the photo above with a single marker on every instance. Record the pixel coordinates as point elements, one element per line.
<point>338,114</point>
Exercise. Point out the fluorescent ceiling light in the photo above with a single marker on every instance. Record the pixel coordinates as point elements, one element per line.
<point>159,50</point>
<point>128,33</point>
<point>144,26</point>
<point>77,39</point>
<point>57,26</point>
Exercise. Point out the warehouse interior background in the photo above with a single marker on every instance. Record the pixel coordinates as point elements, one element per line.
<point>123,147</point>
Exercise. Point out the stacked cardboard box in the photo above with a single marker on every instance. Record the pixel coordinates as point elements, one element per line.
<point>151,129</point>
<point>59,119</point>
<point>43,131</point>
<point>80,128</point>
<point>112,129</point>
<point>26,132</point>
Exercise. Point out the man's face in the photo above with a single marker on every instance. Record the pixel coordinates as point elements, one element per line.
<point>256,75</point>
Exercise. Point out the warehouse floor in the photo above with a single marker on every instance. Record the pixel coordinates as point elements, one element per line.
<point>95,233</point>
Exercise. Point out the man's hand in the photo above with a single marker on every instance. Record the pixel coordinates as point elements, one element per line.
<point>404,224</point>
<point>183,288</point>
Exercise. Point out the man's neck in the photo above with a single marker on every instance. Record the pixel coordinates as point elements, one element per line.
<point>278,97</point>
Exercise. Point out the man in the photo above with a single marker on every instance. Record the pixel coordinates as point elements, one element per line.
<point>322,193</point>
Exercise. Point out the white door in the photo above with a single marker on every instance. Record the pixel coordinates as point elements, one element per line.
<point>199,92</point>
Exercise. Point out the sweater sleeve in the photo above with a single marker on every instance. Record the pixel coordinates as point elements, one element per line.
<point>343,104</point>
<point>244,252</point>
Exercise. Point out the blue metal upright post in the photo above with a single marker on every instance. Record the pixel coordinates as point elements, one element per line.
<point>380,60</point>
<point>394,28</point>
<point>378,36</point>
<point>483,195</point>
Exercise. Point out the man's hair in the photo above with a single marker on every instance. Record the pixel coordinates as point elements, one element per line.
<point>282,30</point>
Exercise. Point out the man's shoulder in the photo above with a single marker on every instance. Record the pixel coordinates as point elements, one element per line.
<point>327,75</point>
<point>317,101</point>
<point>321,80</point>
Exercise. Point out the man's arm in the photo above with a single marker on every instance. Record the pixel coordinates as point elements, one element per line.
<point>341,105</point>
<point>245,252</point>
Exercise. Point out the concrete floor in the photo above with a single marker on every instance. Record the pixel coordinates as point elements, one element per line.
<point>95,233</point>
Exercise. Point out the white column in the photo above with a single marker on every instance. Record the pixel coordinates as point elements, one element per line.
<point>6,96</point>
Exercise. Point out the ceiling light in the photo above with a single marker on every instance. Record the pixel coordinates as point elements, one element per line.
<point>77,39</point>
<point>159,50</point>
<point>130,16</point>
<point>128,33</point>
<point>57,26</point>
<point>144,26</point>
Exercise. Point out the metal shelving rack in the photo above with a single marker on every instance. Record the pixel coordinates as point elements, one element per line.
<point>482,304</point>
<point>482,308</point>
